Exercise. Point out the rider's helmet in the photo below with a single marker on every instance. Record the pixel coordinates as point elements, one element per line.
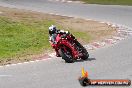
<point>52,29</point>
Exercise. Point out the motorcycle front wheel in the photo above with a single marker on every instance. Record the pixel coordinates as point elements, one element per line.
<point>65,53</point>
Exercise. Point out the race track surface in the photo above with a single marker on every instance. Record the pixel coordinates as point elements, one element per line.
<point>110,62</point>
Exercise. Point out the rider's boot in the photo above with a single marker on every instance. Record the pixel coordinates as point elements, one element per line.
<point>57,53</point>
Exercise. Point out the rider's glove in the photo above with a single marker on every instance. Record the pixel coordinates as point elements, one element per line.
<point>66,32</point>
<point>54,42</point>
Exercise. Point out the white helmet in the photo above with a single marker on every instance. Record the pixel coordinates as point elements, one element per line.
<point>52,29</point>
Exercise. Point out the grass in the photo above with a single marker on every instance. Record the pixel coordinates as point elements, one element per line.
<point>82,36</point>
<point>19,38</point>
<point>109,2</point>
<point>23,38</point>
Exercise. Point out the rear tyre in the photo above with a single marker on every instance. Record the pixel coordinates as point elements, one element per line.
<point>67,57</point>
<point>84,51</point>
<point>85,57</point>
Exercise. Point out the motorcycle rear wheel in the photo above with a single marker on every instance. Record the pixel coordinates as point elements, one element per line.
<point>86,54</point>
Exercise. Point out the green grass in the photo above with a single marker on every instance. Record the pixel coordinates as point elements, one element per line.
<point>109,2</point>
<point>82,35</point>
<point>23,38</point>
<point>19,38</point>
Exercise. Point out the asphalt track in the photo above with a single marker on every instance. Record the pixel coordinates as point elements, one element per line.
<point>106,63</point>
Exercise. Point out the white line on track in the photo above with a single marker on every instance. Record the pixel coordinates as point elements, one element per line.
<point>5,75</point>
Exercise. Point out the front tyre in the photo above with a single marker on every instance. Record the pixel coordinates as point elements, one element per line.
<point>66,55</point>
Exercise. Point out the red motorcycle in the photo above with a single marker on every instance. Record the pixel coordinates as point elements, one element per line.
<point>69,48</point>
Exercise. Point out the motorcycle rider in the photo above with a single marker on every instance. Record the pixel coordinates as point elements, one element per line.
<point>53,31</point>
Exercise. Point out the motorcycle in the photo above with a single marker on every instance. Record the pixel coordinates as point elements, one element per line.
<point>69,48</point>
